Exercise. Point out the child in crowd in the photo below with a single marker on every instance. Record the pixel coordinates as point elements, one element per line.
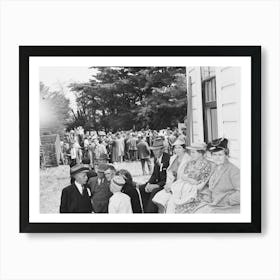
<point>119,202</point>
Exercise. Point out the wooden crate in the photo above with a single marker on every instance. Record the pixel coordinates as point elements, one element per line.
<point>50,144</point>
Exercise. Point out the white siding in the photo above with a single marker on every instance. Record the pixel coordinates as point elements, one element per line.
<point>228,107</point>
<point>197,113</point>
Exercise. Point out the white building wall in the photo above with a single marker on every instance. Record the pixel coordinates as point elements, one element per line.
<point>228,107</point>
<point>197,113</point>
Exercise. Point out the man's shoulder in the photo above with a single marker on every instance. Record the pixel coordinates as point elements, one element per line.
<point>69,188</point>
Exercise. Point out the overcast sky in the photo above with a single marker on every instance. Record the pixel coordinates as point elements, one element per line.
<point>57,77</point>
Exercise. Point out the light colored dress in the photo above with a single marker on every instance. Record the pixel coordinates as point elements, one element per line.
<point>185,198</point>
<point>118,150</point>
<point>173,172</point>
<point>120,203</point>
<point>224,188</point>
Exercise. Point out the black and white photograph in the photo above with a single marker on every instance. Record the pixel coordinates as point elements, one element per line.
<point>143,135</point>
<point>139,140</point>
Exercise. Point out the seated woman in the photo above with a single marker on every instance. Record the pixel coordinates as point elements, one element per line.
<point>174,171</point>
<point>185,191</point>
<point>224,183</point>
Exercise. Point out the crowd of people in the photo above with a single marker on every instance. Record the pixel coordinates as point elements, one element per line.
<point>196,178</point>
<point>95,147</point>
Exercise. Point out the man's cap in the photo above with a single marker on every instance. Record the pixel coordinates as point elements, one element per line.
<point>79,168</point>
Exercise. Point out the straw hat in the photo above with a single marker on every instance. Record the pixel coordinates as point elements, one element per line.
<point>79,168</point>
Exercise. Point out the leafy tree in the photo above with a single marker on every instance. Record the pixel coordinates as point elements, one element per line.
<point>127,97</point>
<point>54,110</point>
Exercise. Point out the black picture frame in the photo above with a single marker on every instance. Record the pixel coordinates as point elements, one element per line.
<point>254,52</point>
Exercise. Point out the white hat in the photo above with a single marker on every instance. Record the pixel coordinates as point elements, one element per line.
<point>117,184</point>
<point>179,142</point>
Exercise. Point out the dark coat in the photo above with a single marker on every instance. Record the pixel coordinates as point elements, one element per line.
<point>100,194</point>
<point>73,202</point>
<point>159,173</point>
<point>131,191</point>
<point>158,177</point>
<point>143,150</point>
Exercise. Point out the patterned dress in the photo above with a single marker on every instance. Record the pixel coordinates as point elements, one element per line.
<point>185,191</point>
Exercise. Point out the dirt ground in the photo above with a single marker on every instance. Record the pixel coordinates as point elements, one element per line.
<point>54,179</point>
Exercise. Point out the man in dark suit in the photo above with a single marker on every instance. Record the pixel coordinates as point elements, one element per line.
<point>158,177</point>
<point>76,197</point>
<point>144,154</point>
<point>100,190</point>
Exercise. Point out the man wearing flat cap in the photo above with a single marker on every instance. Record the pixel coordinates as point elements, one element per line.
<point>76,197</point>
<point>100,190</point>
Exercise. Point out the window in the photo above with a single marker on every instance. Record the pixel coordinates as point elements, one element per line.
<point>209,100</point>
<point>207,72</point>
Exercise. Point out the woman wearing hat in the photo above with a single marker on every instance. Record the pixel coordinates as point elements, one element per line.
<point>194,176</point>
<point>186,191</point>
<point>173,172</point>
<point>129,188</point>
<point>177,162</point>
<point>224,183</point>
<point>119,202</point>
